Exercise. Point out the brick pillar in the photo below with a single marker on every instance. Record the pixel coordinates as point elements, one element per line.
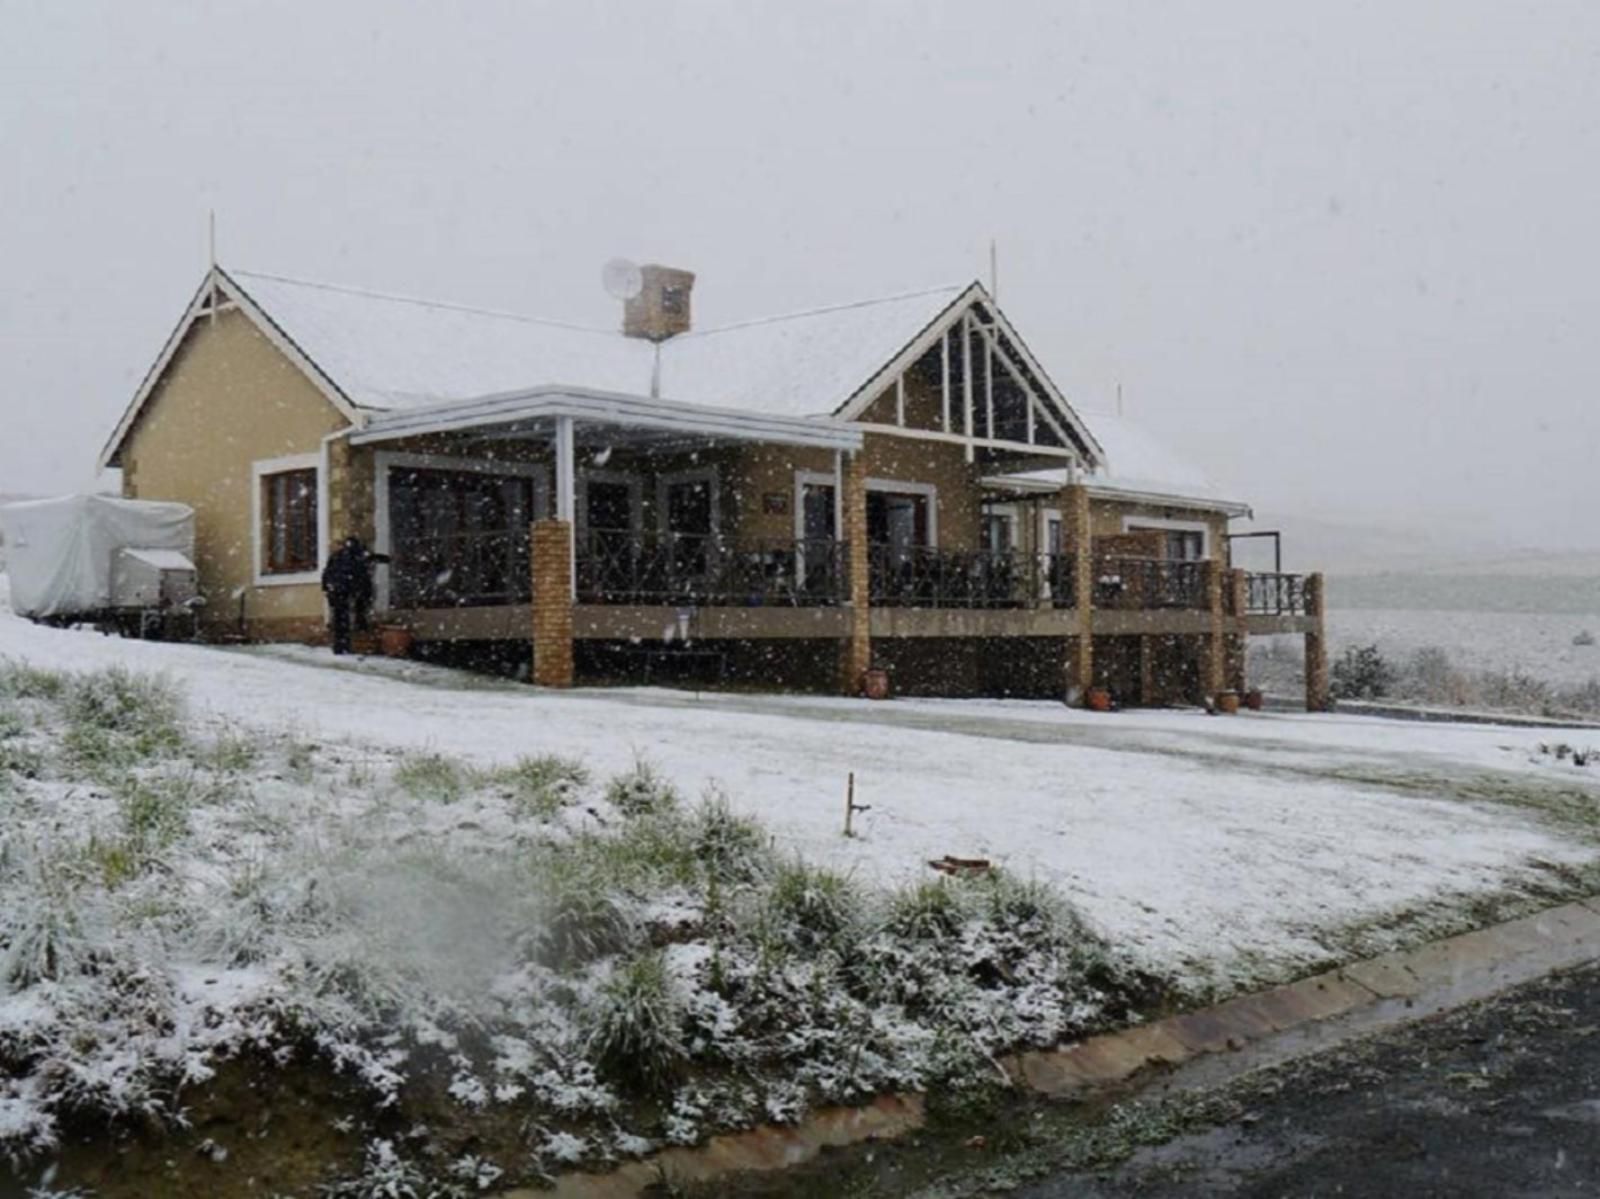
<point>1238,637</point>
<point>1079,536</point>
<point>340,524</point>
<point>1213,665</point>
<point>855,654</point>
<point>1316,646</point>
<point>552,603</point>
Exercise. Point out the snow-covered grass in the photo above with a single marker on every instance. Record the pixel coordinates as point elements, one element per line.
<point>610,967</point>
<point>594,905</point>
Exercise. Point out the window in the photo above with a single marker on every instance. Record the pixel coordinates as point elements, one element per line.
<point>1180,545</point>
<point>289,510</point>
<point>674,301</point>
<point>996,532</point>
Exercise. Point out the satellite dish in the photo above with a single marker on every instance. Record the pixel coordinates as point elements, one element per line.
<point>622,279</point>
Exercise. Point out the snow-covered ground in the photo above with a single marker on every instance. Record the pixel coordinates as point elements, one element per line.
<point>1215,849</point>
<point>1539,644</point>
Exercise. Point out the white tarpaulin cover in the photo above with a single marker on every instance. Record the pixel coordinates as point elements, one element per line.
<point>59,552</point>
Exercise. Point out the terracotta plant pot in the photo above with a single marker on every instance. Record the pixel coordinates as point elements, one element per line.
<point>1097,699</point>
<point>1228,702</point>
<point>875,683</point>
<point>395,640</point>
<point>1253,699</point>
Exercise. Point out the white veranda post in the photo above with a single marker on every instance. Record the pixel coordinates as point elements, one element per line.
<point>566,492</point>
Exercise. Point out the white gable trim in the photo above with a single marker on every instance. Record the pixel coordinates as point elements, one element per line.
<point>954,313</point>
<point>218,280</point>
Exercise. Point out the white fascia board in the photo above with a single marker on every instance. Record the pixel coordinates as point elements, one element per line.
<point>1012,483</point>
<point>611,408</point>
<point>1168,499</point>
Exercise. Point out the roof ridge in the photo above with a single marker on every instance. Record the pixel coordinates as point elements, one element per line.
<point>789,316</point>
<point>446,305</point>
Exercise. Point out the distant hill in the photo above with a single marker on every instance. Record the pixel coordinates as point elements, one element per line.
<point>1344,550</point>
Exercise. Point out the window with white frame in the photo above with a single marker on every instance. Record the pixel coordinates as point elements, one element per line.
<point>290,543</point>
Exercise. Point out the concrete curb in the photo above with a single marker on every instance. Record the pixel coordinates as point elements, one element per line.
<point>1275,1024</point>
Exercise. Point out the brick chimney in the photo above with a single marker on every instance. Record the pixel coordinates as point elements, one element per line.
<point>661,309</point>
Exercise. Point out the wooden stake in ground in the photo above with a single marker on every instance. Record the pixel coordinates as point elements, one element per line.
<point>851,807</point>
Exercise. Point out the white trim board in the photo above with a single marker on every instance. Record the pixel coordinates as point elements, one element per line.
<point>383,461</point>
<point>263,468</point>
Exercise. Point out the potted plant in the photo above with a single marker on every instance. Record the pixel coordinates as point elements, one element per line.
<point>1254,700</point>
<point>1097,699</point>
<point>395,640</point>
<point>1228,702</point>
<point>875,683</point>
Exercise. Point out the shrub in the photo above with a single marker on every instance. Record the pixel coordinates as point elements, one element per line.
<point>581,918</point>
<point>928,911</point>
<point>542,785</point>
<point>731,847</point>
<point>1361,673</point>
<point>432,777</point>
<point>636,1040</point>
<point>641,791</point>
<point>809,907</point>
<point>1583,638</point>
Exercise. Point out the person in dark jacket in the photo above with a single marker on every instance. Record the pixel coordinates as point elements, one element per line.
<point>347,582</point>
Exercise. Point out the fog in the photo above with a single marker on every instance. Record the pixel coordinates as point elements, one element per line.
<point>1342,253</point>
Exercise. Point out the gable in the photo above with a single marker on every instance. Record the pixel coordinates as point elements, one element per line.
<point>217,297</point>
<point>984,384</point>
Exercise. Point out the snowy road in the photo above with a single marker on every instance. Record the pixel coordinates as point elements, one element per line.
<point>1218,848</point>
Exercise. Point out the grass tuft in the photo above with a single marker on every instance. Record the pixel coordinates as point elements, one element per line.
<point>541,786</point>
<point>635,1040</point>
<point>434,778</point>
<point>117,719</point>
<point>810,907</point>
<point>642,791</point>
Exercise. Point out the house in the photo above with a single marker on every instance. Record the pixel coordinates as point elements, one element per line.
<point>785,502</point>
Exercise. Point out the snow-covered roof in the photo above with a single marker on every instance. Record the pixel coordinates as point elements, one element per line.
<point>804,364</point>
<point>388,352</point>
<point>1139,466</point>
<point>392,353</point>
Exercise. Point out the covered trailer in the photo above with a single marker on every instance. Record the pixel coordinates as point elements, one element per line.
<point>126,563</point>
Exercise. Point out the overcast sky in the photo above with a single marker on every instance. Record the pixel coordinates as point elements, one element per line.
<point>1343,254</point>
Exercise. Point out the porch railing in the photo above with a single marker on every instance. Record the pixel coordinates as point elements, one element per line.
<point>625,567</point>
<point>1142,583</point>
<point>923,577</point>
<point>460,570</point>
<point>1273,594</point>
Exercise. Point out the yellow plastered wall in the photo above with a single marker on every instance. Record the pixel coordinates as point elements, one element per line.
<point>229,398</point>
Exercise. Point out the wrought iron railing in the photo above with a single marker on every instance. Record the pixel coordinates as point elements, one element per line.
<point>1142,583</point>
<point>460,570</point>
<point>624,567</point>
<point>1058,579</point>
<point>1274,594</point>
<point>924,577</point>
